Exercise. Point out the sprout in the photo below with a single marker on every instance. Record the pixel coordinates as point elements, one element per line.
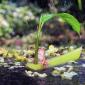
<point>44,18</point>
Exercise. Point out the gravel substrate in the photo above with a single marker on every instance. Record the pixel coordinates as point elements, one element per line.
<point>15,74</point>
<point>18,77</point>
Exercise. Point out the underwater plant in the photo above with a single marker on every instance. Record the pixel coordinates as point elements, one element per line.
<point>45,17</point>
<point>65,58</point>
<point>79,4</point>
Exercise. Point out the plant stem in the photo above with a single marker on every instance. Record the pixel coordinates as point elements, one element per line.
<point>36,49</point>
<point>80,4</point>
<point>37,42</point>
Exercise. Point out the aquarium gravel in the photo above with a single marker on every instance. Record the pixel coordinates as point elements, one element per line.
<point>14,72</point>
<point>17,76</point>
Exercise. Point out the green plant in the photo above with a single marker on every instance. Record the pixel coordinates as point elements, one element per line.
<point>71,56</point>
<point>44,18</point>
<point>79,4</point>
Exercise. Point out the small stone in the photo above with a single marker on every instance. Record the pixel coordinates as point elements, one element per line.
<point>1,59</point>
<point>12,67</point>
<point>42,75</point>
<point>65,51</point>
<point>60,68</point>
<point>6,65</point>
<point>57,54</point>
<point>51,51</point>
<point>70,68</point>
<point>69,75</point>
<point>32,75</point>
<point>17,63</point>
<point>72,62</point>
<point>36,73</point>
<point>29,73</point>
<point>83,65</point>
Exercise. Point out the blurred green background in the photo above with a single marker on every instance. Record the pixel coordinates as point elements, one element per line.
<point>19,20</point>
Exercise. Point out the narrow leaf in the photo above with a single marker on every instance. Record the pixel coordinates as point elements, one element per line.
<point>70,20</point>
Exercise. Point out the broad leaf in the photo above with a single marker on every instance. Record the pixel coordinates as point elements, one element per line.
<point>70,20</point>
<point>45,17</point>
<point>71,56</point>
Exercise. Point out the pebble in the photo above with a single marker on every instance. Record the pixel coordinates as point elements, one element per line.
<point>31,74</point>
<point>12,67</point>
<point>36,73</point>
<point>6,65</point>
<point>17,63</point>
<point>57,54</point>
<point>70,68</point>
<point>69,75</point>
<point>72,62</point>
<point>1,59</point>
<point>42,75</point>
<point>83,65</point>
<point>65,51</point>
<point>60,68</point>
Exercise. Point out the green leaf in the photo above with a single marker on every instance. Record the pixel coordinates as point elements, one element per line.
<point>70,56</point>
<point>68,18</point>
<point>71,20</point>
<point>44,18</point>
<point>34,66</point>
<point>79,4</point>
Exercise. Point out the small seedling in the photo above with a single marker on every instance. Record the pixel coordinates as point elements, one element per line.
<point>44,18</point>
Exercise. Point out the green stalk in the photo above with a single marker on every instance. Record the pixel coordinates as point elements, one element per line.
<point>80,4</point>
<point>36,50</point>
<point>44,18</point>
<point>37,42</point>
